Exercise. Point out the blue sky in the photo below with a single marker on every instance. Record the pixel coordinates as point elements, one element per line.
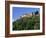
<point>19,11</point>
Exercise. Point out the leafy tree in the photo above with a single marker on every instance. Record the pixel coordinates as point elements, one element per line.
<point>27,23</point>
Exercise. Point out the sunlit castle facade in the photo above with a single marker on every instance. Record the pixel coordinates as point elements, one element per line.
<point>30,15</point>
<point>27,15</point>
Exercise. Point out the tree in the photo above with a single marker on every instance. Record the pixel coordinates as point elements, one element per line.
<point>26,23</point>
<point>36,12</point>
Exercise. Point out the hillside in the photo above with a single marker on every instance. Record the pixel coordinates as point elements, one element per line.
<point>27,23</point>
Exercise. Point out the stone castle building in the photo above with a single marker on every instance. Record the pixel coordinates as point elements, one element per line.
<point>30,15</point>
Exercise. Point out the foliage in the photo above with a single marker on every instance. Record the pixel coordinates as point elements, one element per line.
<point>27,23</point>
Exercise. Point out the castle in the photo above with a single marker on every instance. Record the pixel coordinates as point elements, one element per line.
<point>30,15</point>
